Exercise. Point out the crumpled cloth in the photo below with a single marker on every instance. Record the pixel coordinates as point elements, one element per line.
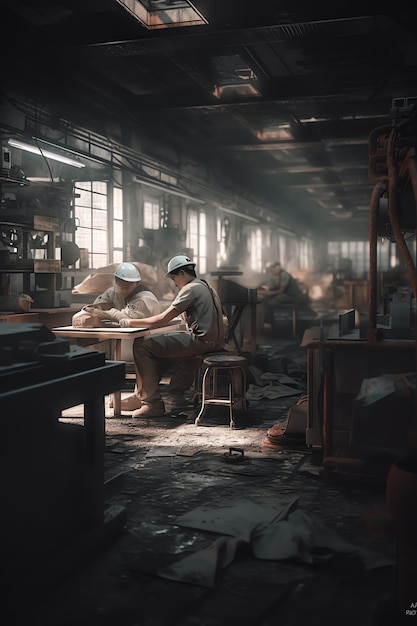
<point>273,385</point>
<point>272,534</point>
<point>270,391</point>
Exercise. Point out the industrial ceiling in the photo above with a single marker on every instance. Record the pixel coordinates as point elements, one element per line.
<point>282,93</point>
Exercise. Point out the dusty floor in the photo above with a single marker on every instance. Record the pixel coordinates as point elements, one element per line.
<point>169,467</point>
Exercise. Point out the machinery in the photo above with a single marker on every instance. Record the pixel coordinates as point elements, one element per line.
<point>393,166</point>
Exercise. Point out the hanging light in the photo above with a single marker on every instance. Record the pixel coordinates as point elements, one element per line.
<point>27,147</point>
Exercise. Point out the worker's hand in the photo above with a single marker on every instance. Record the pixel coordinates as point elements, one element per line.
<point>125,322</point>
<point>94,310</point>
<point>83,319</point>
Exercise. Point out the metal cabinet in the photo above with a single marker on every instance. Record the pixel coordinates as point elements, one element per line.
<point>336,370</point>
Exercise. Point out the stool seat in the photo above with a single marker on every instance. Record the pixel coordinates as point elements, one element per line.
<point>234,367</point>
<point>224,360</point>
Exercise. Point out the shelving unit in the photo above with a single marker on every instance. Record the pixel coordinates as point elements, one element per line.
<point>29,209</point>
<point>24,264</point>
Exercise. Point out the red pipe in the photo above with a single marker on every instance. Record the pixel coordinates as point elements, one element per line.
<point>392,213</point>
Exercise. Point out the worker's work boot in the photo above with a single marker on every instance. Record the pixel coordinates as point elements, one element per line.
<point>153,409</point>
<point>131,403</point>
<point>178,402</point>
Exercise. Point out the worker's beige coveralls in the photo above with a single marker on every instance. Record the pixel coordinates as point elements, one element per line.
<point>201,310</point>
<point>140,303</point>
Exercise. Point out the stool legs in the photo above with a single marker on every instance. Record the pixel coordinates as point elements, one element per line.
<point>237,380</point>
<point>231,400</point>
<point>203,397</point>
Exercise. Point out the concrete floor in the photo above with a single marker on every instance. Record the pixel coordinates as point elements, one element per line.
<point>168,467</point>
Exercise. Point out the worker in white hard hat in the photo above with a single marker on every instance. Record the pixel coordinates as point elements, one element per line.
<point>201,309</point>
<point>126,299</point>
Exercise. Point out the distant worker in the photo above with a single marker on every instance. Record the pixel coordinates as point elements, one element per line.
<point>278,290</point>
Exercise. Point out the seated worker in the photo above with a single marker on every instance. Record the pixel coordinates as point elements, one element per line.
<point>126,299</point>
<point>279,288</point>
<point>201,309</point>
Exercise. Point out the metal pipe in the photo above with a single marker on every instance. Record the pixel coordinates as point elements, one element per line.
<point>392,212</point>
<point>377,193</point>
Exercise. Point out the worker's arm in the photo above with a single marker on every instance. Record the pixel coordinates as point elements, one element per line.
<point>155,321</point>
<point>265,291</point>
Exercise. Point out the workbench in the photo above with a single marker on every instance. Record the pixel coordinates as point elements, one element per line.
<point>237,301</point>
<point>19,318</point>
<point>93,336</point>
<point>54,509</point>
<point>59,316</point>
<point>235,313</point>
<point>336,370</point>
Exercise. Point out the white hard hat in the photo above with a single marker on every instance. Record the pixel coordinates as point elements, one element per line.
<point>127,272</point>
<point>178,261</point>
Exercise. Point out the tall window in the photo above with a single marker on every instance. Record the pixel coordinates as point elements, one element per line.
<point>358,253</point>
<point>282,250</point>
<point>255,249</point>
<point>90,212</point>
<point>98,210</point>
<point>306,253</point>
<point>117,225</point>
<point>151,214</point>
<point>197,238</point>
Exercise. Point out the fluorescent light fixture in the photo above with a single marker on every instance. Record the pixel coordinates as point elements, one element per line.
<point>167,189</point>
<point>15,143</point>
<point>275,133</point>
<point>234,77</point>
<point>76,153</point>
<point>242,215</point>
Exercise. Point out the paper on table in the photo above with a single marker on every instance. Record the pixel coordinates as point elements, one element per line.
<point>102,329</point>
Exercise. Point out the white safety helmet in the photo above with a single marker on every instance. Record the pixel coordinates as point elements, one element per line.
<point>180,260</point>
<point>127,272</point>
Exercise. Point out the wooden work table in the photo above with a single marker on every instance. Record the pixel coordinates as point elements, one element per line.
<point>235,313</point>
<point>60,316</point>
<point>19,318</point>
<point>49,317</point>
<point>237,300</point>
<point>89,336</point>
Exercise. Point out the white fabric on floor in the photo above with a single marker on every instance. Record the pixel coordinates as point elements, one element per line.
<point>273,533</point>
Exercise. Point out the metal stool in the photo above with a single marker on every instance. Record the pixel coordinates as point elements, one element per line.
<point>234,367</point>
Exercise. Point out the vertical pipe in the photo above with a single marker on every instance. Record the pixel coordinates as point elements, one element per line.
<point>377,192</point>
<point>412,170</point>
<point>392,214</point>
